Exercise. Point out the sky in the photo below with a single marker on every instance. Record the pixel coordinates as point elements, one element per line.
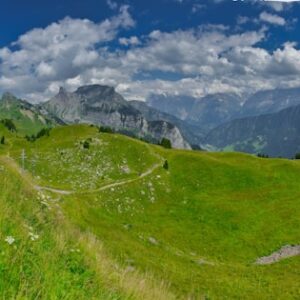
<point>170,47</point>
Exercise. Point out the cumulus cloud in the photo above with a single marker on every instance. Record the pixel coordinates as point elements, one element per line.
<point>280,5</point>
<point>195,62</point>
<point>58,52</point>
<point>133,40</point>
<point>272,19</point>
<point>112,5</point>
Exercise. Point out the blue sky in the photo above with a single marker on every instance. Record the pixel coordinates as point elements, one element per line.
<point>187,47</point>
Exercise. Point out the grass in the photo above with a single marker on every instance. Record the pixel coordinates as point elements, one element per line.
<point>62,162</point>
<point>29,267</point>
<point>192,231</point>
<point>27,121</point>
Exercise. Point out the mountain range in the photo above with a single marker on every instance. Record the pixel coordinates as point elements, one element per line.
<point>267,122</point>
<point>102,105</point>
<point>94,104</point>
<point>276,134</point>
<point>203,113</point>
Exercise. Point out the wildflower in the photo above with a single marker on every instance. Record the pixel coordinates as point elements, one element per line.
<point>33,236</point>
<point>10,240</point>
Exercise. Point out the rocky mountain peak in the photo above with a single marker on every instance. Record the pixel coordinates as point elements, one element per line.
<point>62,91</point>
<point>95,90</point>
<point>7,96</point>
<point>102,105</point>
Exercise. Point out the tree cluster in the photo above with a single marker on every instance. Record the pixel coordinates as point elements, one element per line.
<point>41,133</point>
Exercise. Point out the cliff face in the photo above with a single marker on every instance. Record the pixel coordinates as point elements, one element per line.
<point>159,129</point>
<point>101,105</point>
<point>192,134</point>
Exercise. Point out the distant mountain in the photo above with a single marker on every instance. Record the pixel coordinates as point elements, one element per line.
<point>28,118</point>
<point>270,101</point>
<point>206,113</point>
<point>276,134</point>
<point>102,105</point>
<point>193,134</point>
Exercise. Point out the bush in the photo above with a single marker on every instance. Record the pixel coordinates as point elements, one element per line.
<point>262,155</point>
<point>86,145</point>
<point>9,124</point>
<point>2,142</point>
<point>297,156</point>
<point>106,129</point>
<point>166,143</point>
<point>166,165</point>
<point>196,147</point>
<point>41,133</point>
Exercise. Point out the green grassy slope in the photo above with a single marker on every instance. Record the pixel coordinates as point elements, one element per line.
<point>37,259</point>
<point>27,118</point>
<point>198,226</point>
<point>61,161</point>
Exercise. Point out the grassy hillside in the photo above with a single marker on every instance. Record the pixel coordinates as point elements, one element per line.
<point>27,118</point>
<point>194,230</point>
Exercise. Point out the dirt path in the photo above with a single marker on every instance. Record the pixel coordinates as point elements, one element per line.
<point>145,174</point>
<point>284,252</point>
<point>55,191</point>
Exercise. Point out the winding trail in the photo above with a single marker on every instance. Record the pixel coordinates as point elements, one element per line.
<point>26,176</point>
<point>125,181</point>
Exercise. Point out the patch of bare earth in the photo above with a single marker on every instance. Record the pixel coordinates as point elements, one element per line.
<point>284,252</point>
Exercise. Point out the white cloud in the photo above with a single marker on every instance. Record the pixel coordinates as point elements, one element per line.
<point>272,19</point>
<point>58,52</point>
<point>111,4</point>
<point>132,41</point>
<point>45,70</point>
<point>280,5</point>
<point>203,60</point>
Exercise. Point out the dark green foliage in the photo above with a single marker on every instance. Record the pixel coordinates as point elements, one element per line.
<point>2,142</point>
<point>196,147</point>
<point>297,156</point>
<point>262,155</point>
<point>41,133</point>
<point>166,143</point>
<point>106,129</point>
<point>86,144</point>
<point>9,124</point>
<point>166,165</point>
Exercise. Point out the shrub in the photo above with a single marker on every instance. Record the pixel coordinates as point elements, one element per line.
<point>106,129</point>
<point>9,124</point>
<point>86,145</point>
<point>41,133</point>
<point>297,156</point>
<point>166,165</point>
<point>166,143</point>
<point>196,147</point>
<point>262,155</point>
<point>2,142</point>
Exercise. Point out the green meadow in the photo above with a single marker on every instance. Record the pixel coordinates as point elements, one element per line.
<point>97,216</point>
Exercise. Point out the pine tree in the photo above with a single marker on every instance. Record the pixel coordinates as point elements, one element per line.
<point>166,143</point>
<point>166,165</point>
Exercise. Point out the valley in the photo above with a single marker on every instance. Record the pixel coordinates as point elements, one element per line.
<point>150,150</point>
<point>193,230</point>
